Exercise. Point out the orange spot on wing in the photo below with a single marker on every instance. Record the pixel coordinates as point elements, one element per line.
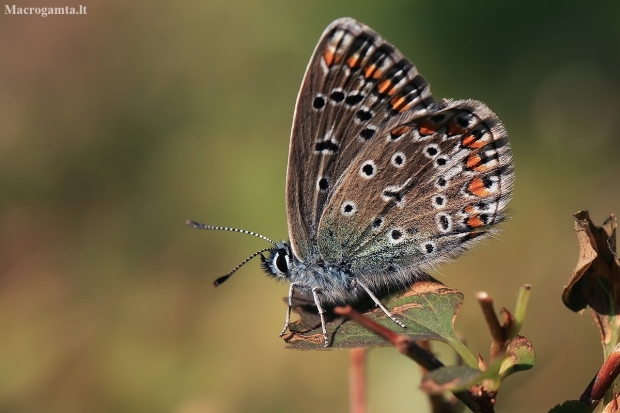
<point>474,221</point>
<point>470,141</point>
<point>469,209</point>
<point>401,130</point>
<point>472,161</point>
<point>328,56</point>
<point>454,128</point>
<point>475,162</point>
<point>385,85</point>
<point>427,128</point>
<point>426,131</point>
<point>476,187</point>
<point>396,102</point>
<point>368,72</point>
<point>406,107</point>
<point>353,61</point>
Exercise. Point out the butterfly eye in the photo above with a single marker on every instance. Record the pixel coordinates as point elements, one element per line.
<point>282,262</point>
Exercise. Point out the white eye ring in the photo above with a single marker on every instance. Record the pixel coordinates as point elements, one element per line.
<point>431,151</point>
<point>428,247</point>
<point>348,208</point>
<point>368,169</point>
<point>398,159</point>
<point>438,201</point>
<point>396,235</point>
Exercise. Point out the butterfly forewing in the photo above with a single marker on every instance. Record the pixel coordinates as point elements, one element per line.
<point>356,89</point>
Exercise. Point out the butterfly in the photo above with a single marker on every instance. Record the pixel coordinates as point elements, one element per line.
<point>383,181</point>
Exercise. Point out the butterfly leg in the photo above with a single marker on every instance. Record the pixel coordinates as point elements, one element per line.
<point>378,302</point>
<point>288,311</point>
<point>315,293</point>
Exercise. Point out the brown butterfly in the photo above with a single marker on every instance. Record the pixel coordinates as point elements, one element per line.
<point>383,181</point>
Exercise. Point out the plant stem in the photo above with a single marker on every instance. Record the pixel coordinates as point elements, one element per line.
<point>462,350</point>
<point>424,358</point>
<point>357,380</point>
<point>603,380</point>
<point>520,309</point>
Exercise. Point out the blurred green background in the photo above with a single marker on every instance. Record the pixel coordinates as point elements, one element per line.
<point>118,125</point>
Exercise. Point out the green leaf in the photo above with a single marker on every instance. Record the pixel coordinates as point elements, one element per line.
<point>428,309</point>
<point>449,378</point>
<point>570,406</point>
<point>521,356</point>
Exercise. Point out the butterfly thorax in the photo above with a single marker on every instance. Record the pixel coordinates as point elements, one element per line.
<point>335,281</point>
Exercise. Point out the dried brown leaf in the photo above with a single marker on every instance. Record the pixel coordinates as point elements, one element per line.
<point>596,279</point>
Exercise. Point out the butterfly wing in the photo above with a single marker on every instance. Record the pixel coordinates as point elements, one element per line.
<point>422,193</point>
<point>356,88</point>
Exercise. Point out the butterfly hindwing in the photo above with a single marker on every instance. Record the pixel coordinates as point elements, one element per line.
<point>357,87</point>
<point>421,194</point>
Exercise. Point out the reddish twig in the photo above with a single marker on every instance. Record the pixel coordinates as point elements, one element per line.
<point>403,343</point>
<point>424,358</point>
<point>603,380</point>
<point>357,380</point>
<point>438,402</point>
<point>500,333</point>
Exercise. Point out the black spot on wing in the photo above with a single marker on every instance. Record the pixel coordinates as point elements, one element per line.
<point>327,147</point>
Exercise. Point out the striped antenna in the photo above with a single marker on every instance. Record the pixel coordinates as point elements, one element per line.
<point>225,277</point>
<point>198,225</point>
